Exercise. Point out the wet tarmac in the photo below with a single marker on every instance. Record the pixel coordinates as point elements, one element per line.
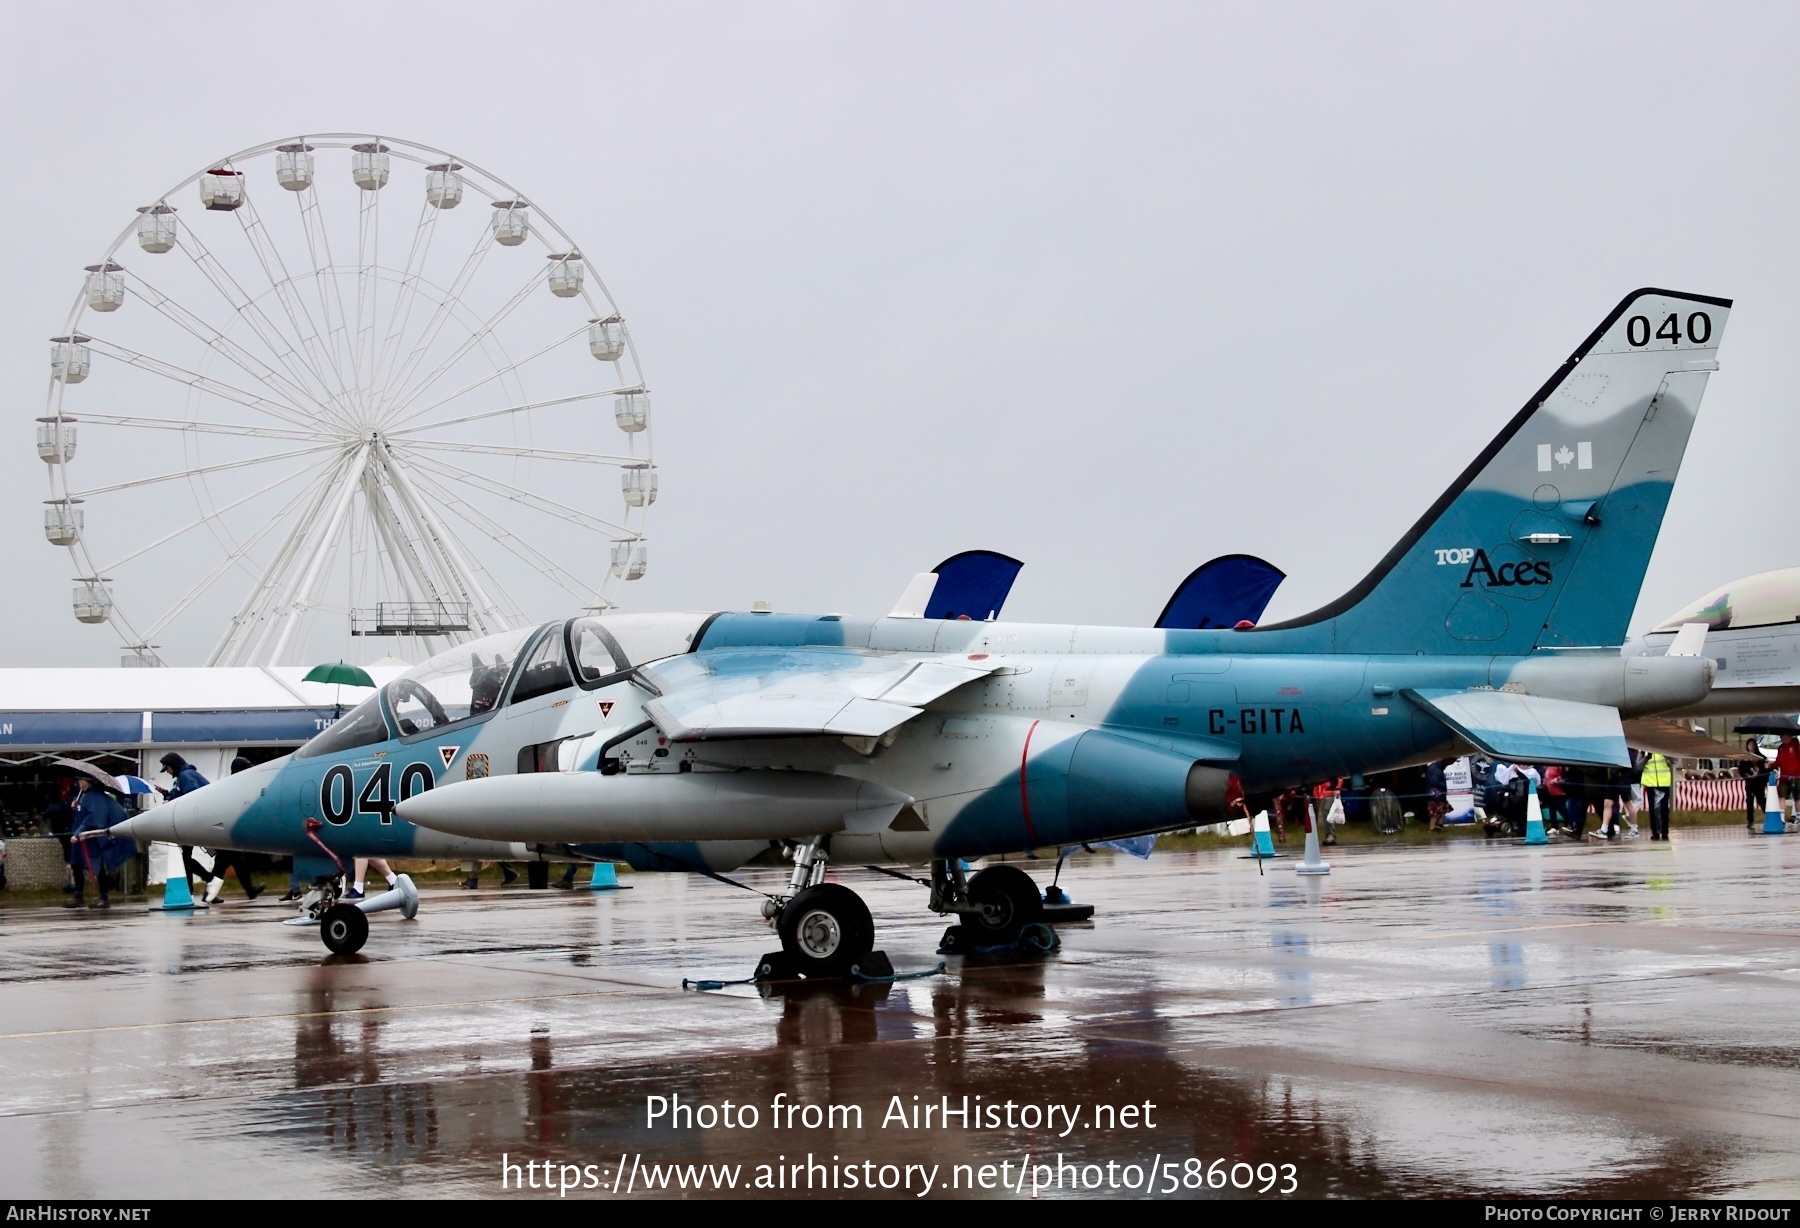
<point>1610,1022</point>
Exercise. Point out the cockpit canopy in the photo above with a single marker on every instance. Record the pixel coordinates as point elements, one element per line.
<point>1761,600</point>
<point>470,680</point>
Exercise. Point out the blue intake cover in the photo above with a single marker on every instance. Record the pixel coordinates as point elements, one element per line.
<point>1230,589</point>
<point>973,584</point>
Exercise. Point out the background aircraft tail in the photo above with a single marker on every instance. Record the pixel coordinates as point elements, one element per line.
<point>1543,541</point>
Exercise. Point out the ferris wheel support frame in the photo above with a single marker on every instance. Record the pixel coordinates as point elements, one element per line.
<point>440,538</point>
<point>291,609</point>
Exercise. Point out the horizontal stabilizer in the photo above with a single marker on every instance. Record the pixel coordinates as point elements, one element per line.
<point>1676,741</point>
<point>1222,592</point>
<point>1531,728</point>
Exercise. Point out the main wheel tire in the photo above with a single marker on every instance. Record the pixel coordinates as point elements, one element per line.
<point>826,929</point>
<point>344,928</point>
<point>1005,900</point>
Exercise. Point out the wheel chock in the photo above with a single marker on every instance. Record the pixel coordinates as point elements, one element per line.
<point>1033,939</point>
<point>776,966</point>
<point>875,966</point>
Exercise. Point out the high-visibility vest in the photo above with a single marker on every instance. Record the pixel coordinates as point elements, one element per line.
<point>1657,773</point>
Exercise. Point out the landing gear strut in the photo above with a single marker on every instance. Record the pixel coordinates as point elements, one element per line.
<point>825,928</point>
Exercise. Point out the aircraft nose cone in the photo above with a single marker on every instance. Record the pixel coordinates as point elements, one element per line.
<point>203,817</point>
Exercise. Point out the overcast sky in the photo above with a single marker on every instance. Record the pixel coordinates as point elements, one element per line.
<point>1112,288</point>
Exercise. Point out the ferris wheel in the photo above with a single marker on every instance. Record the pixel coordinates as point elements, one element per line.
<point>288,410</point>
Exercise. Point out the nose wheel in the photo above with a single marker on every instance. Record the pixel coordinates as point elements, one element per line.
<point>344,928</point>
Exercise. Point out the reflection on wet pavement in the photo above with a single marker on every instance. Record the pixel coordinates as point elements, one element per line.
<point>1613,1022</point>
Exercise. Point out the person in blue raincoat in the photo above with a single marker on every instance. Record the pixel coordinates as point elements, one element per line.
<point>187,779</point>
<point>96,810</point>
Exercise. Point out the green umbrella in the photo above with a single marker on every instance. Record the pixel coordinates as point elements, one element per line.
<point>342,676</point>
<point>339,673</point>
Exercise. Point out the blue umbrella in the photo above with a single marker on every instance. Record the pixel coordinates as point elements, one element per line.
<point>136,784</point>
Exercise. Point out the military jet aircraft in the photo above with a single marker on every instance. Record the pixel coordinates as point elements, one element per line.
<point>697,741</point>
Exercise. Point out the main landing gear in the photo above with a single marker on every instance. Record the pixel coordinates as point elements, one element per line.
<point>999,906</point>
<point>826,929</point>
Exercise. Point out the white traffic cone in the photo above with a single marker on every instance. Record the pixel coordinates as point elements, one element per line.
<point>1312,864</point>
<point>1534,820</point>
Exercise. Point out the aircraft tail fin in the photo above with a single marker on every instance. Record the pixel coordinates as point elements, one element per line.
<point>1544,539</point>
<point>1223,592</point>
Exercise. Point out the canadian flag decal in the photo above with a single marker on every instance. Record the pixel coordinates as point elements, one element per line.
<point>1551,457</point>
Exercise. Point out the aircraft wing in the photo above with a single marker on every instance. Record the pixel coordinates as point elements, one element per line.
<point>799,692</point>
<point>1531,728</point>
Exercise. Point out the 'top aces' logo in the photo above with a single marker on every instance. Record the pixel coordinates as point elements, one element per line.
<point>1523,574</point>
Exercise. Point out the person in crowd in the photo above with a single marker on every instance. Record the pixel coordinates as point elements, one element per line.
<point>1290,805</point>
<point>295,890</point>
<point>57,817</point>
<point>1616,821</point>
<point>472,874</point>
<point>1659,785</point>
<point>1574,781</point>
<point>362,867</point>
<point>95,811</point>
<point>1787,767</point>
<point>1753,770</point>
<point>187,778</point>
<point>1323,795</point>
<point>224,860</point>
<point>207,865</point>
<point>1556,796</point>
<point>1437,794</point>
<point>1355,796</point>
<point>1510,786</point>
